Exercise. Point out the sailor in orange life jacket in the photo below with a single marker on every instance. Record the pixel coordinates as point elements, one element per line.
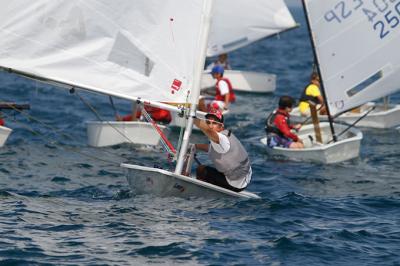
<point>277,126</point>
<point>224,92</point>
<point>157,114</point>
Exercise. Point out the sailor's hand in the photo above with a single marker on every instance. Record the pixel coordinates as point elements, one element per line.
<point>297,127</point>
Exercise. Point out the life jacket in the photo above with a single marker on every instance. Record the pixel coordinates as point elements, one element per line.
<point>158,114</point>
<point>270,127</point>
<point>2,123</point>
<point>306,98</point>
<point>234,164</point>
<point>219,97</point>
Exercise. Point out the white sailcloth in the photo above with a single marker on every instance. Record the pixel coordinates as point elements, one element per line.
<point>238,23</point>
<point>125,48</point>
<point>356,43</point>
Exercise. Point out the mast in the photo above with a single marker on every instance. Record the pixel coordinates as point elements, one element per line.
<point>195,92</point>
<point>319,70</point>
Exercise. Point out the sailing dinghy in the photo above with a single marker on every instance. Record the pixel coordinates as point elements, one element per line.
<point>345,148</point>
<point>109,133</point>
<point>137,132</point>
<point>243,81</point>
<point>356,61</point>
<point>108,51</point>
<point>240,25</point>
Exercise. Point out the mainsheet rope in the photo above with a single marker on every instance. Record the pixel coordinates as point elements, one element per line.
<point>100,118</point>
<point>56,131</point>
<point>169,148</point>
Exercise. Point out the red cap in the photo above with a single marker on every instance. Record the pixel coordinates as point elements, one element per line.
<point>216,113</point>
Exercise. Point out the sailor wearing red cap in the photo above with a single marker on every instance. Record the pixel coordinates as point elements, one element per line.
<point>232,169</point>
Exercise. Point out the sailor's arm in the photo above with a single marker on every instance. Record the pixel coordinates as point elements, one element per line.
<point>211,134</point>
<point>226,101</point>
<point>202,147</point>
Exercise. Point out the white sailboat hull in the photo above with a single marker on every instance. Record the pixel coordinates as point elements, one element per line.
<point>346,148</point>
<point>4,133</point>
<point>244,81</point>
<point>378,118</point>
<point>108,133</point>
<point>159,182</point>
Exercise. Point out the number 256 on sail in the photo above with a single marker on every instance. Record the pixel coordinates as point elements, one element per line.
<point>381,13</point>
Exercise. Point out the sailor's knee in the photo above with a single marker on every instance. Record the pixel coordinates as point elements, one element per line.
<point>200,171</point>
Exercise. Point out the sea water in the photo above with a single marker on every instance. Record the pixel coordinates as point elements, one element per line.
<point>64,203</point>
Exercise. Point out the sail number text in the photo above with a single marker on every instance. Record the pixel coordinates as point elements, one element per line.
<point>383,14</point>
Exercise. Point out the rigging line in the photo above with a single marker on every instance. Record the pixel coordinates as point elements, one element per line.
<point>354,123</point>
<point>164,140</point>
<point>34,119</point>
<point>308,118</point>
<point>12,118</point>
<point>102,120</point>
<point>53,129</point>
<point>113,107</point>
<point>71,149</point>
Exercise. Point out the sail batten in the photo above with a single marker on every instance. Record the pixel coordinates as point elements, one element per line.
<point>131,48</point>
<point>352,46</point>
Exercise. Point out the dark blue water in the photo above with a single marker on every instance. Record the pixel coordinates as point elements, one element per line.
<point>63,203</point>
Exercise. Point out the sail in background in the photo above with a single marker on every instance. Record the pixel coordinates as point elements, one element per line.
<point>237,23</point>
<point>357,44</point>
<point>125,48</point>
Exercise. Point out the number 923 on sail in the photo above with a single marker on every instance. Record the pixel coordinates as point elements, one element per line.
<point>384,15</point>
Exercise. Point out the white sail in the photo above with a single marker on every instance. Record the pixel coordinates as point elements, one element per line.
<point>238,23</point>
<point>125,48</point>
<point>356,44</point>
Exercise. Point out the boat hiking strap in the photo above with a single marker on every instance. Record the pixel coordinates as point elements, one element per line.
<point>99,117</point>
<point>164,140</point>
<point>355,122</point>
<point>55,142</point>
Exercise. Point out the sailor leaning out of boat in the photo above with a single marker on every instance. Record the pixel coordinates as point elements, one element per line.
<point>278,127</point>
<point>232,169</point>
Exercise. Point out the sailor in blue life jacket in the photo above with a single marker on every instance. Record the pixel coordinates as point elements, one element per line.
<point>232,169</point>
<point>278,127</point>
<point>224,94</point>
